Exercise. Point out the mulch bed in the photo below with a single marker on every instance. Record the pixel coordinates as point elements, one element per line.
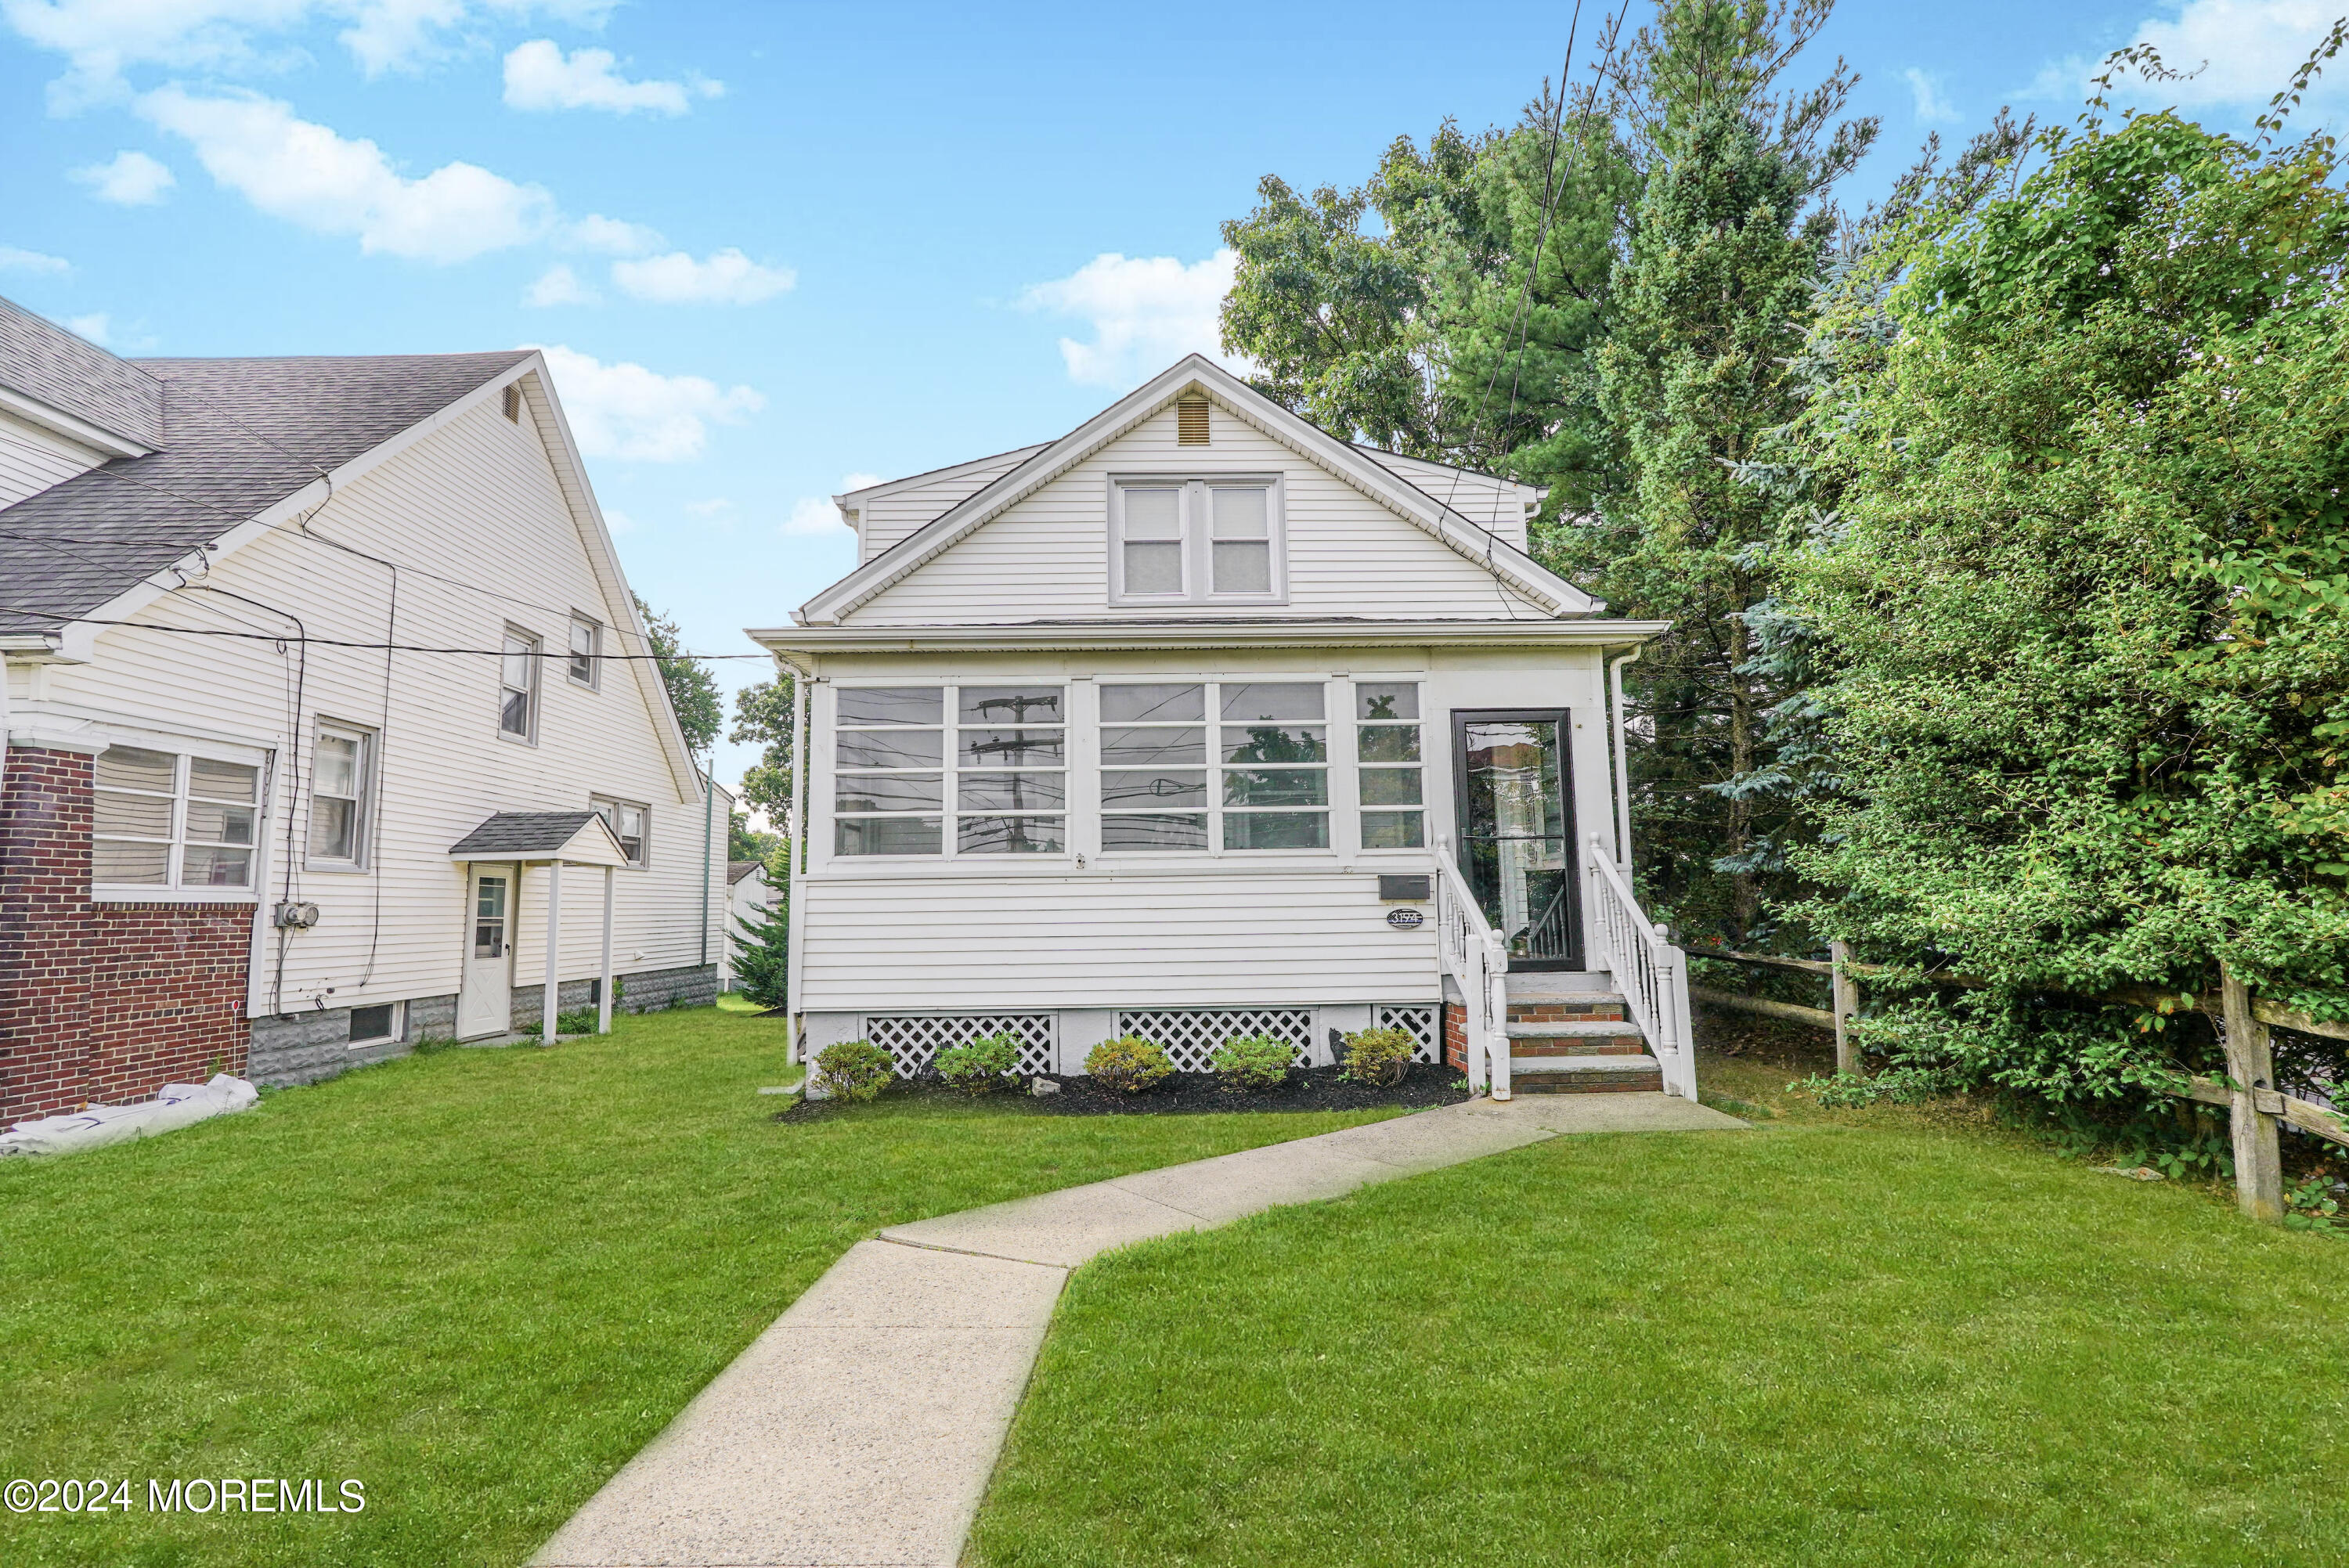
<point>1309,1089</point>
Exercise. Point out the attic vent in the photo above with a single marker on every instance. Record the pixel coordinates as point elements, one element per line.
<point>1191,421</point>
<point>514,404</point>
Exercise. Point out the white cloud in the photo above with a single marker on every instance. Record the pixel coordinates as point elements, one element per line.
<point>129,179</point>
<point>814,516</point>
<point>539,76</point>
<point>15,261</point>
<point>728,277</point>
<point>1932,108</point>
<point>559,285</point>
<point>92,326</point>
<point>619,521</point>
<point>709,507</point>
<point>624,410</point>
<point>307,174</point>
<point>2241,54</point>
<point>99,38</point>
<point>1146,312</point>
<point>612,236</point>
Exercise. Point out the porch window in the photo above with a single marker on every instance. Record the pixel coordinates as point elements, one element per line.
<point>889,771</point>
<point>168,820</point>
<point>1195,540</point>
<point>1011,771</point>
<point>1392,772</point>
<point>1275,755</point>
<point>1154,758</point>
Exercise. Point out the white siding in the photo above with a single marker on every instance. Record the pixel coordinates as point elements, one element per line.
<point>476,501</point>
<point>31,459</point>
<point>1497,503</point>
<point>905,506</point>
<point>1130,940</point>
<point>1047,556</point>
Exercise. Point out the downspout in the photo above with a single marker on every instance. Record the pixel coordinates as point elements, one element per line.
<point>795,852</point>
<point>708,815</point>
<point>1622,766</point>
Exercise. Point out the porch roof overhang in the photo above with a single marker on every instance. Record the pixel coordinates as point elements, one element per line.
<point>540,838</point>
<point>1252,632</point>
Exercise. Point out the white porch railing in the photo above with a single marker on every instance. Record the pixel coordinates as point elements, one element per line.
<point>1478,963</point>
<point>1650,973</point>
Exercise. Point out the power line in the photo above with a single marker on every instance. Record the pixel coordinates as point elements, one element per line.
<point>377,647</point>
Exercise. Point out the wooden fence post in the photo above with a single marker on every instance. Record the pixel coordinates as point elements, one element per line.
<point>1846,1003</point>
<point>2254,1104</point>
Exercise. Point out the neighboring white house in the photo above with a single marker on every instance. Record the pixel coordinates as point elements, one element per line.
<point>748,896</point>
<point>319,671</point>
<point>1200,721</point>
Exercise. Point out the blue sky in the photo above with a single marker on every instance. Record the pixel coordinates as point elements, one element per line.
<point>779,245</point>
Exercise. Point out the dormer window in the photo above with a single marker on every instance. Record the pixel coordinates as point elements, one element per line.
<point>1180,540</point>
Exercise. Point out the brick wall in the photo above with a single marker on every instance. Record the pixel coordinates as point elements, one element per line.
<point>102,1002</point>
<point>1455,1035</point>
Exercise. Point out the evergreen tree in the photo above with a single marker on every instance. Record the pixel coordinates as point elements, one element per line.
<point>762,964</point>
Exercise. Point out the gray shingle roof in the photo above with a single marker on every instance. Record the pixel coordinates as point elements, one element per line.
<point>50,365</point>
<point>238,435</point>
<point>736,870</point>
<point>521,834</point>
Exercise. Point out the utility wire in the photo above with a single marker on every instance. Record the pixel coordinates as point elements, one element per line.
<point>377,647</point>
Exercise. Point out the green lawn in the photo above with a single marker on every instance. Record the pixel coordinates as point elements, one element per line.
<point>1867,1339</point>
<point>477,1281</point>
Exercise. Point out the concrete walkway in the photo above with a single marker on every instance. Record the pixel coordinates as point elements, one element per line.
<point>859,1430</point>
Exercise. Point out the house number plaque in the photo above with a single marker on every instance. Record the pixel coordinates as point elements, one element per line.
<point>1406,919</point>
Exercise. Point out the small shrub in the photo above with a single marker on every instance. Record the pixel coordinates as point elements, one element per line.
<point>981,1066</point>
<point>852,1070</point>
<point>578,1021</point>
<point>1253,1062</point>
<point>1128,1063</point>
<point>1379,1056</point>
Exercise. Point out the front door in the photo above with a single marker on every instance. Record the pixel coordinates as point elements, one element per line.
<point>485,1005</point>
<point>1517,832</point>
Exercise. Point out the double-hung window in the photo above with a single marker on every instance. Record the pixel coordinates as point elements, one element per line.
<point>628,819</point>
<point>1392,772</point>
<point>993,759</point>
<point>518,687</point>
<point>341,771</point>
<point>168,820</point>
<point>1256,778</point>
<point>587,643</point>
<point>1195,540</point>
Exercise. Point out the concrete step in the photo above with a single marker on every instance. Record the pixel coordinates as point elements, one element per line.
<point>1585,1038</point>
<point>1584,1075</point>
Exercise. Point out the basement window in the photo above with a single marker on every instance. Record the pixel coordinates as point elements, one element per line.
<point>377,1024</point>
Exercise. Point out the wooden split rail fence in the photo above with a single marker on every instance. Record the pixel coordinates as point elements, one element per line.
<point>2256,1108</point>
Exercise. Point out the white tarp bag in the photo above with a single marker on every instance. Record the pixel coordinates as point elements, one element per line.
<point>179,1105</point>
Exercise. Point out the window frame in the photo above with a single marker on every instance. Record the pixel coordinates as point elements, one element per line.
<point>399,1026</point>
<point>608,807</point>
<point>535,651</point>
<point>950,771</point>
<point>593,679</point>
<point>363,814</point>
<point>1217,810</point>
<point>1362,764</point>
<point>175,887</point>
<point>1195,533</point>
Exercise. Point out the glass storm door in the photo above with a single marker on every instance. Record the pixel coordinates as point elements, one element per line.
<point>1516,833</point>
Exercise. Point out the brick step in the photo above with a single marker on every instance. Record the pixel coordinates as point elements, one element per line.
<point>1587,1037</point>
<point>1584,1075</point>
<point>1566,1011</point>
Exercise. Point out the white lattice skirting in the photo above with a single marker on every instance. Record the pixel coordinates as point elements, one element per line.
<point>914,1040</point>
<point>1191,1036</point>
<point>1420,1021</point>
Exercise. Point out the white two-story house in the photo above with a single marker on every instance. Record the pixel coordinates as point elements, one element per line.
<point>1199,721</point>
<point>329,723</point>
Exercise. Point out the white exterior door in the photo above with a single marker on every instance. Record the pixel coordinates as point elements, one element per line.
<point>485,1003</point>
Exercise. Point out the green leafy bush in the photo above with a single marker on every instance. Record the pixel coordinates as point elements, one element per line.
<point>1379,1056</point>
<point>852,1070</point>
<point>1128,1063</point>
<point>980,1066</point>
<point>1253,1062</point>
<point>577,1021</point>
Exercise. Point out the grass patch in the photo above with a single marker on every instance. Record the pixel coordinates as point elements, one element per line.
<point>476,1280</point>
<point>1819,1344</point>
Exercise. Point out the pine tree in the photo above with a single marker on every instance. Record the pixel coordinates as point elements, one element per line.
<point>762,965</point>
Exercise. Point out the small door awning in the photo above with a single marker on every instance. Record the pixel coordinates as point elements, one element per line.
<point>571,837</point>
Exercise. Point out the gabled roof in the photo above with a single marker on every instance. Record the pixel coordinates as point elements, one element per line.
<point>736,870</point>
<point>235,437</point>
<point>63,373</point>
<point>1467,538</point>
<point>577,837</point>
